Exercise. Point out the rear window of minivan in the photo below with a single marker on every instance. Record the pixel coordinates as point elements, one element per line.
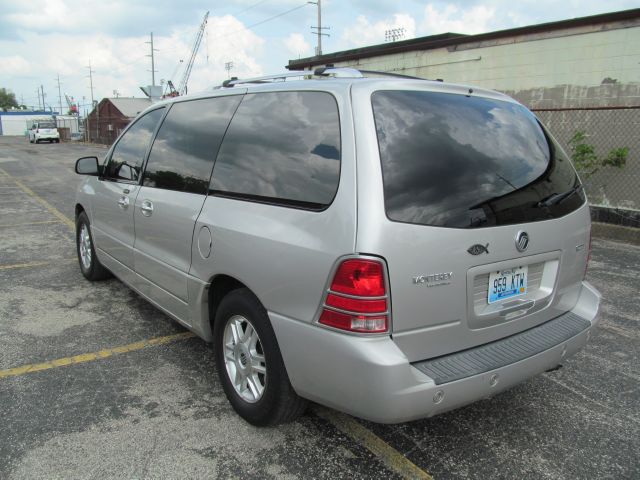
<point>462,161</point>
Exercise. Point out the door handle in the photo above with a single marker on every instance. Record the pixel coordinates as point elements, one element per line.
<point>123,202</point>
<point>146,208</point>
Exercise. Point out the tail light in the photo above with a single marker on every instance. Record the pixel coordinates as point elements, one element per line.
<point>357,300</point>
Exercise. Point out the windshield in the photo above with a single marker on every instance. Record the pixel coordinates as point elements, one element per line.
<point>466,162</point>
<point>46,125</point>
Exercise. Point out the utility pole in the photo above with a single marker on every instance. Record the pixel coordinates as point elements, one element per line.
<point>38,92</point>
<point>319,28</point>
<point>93,103</point>
<point>153,68</point>
<point>59,95</point>
<point>44,106</point>
<point>228,66</point>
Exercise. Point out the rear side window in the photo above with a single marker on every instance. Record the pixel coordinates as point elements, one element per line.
<point>462,161</point>
<point>183,152</point>
<point>282,148</point>
<point>128,154</point>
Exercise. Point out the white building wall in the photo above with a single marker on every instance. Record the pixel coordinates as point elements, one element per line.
<point>19,124</point>
<point>561,68</point>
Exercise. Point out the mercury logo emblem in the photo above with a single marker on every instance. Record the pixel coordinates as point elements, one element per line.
<point>522,241</point>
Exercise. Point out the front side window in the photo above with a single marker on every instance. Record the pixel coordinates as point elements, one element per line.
<point>128,154</point>
<point>281,148</point>
<point>462,161</point>
<point>187,143</point>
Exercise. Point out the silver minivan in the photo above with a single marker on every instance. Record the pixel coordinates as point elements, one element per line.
<point>389,247</point>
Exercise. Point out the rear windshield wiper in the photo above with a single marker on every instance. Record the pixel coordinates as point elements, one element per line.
<point>557,198</point>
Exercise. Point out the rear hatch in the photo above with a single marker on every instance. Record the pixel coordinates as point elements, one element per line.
<point>483,222</point>
<point>47,128</point>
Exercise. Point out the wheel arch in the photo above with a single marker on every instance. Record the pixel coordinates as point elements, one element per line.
<point>79,209</point>
<point>220,286</point>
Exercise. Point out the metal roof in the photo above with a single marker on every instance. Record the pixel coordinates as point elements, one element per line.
<point>130,107</point>
<point>452,39</point>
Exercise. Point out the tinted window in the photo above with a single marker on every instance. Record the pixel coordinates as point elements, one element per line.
<point>463,161</point>
<point>283,148</point>
<point>46,125</point>
<point>187,143</point>
<point>128,154</point>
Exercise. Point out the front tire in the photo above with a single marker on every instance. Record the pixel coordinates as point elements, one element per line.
<point>90,266</point>
<point>250,366</point>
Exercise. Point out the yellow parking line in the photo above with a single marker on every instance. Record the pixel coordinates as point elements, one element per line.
<point>385,452</point>
<point>7,225</point>
<point>90,357</point>
<point>35,264</point>
<point>391,457</point>
<point>53,210</point>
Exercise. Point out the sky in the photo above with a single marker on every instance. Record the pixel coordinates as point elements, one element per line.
<point>41,41</point>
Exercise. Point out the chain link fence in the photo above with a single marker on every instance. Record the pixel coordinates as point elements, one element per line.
<point>70,128</point>
<point>606,129</point>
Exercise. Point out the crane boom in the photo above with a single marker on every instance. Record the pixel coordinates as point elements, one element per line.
<point>182,88</point>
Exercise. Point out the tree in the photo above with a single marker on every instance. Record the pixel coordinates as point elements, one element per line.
<point>7,99</point>
<point>587,162</point>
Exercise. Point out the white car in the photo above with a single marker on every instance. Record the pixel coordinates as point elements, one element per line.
<point>44,131</point>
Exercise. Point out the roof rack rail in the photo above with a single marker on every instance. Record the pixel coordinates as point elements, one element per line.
<point>266,79</point>
<point>391,74</point>
<point>338,72</point>
<point>328,71</point>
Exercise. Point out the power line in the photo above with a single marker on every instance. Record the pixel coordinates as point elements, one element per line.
<point>248,27</point>
<point>253,25</point>
<point>250,7</point>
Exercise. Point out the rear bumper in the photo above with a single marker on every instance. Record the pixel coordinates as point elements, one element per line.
<point>47,136</point>
<point>372,379</point>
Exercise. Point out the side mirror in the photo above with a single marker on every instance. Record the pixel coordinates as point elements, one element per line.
<point>88,166</point>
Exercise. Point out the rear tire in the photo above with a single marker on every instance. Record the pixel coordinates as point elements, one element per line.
<point>250,366</point>
<point>90,266</point>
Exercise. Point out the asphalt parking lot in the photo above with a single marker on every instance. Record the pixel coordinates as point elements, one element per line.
<point>96,383</point>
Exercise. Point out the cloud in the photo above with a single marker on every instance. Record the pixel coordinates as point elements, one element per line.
<point>122,63</point>
<point>452,18</point>
<point>14,65</point>
<point>363,32</point>
<point>297,46</point>
<point>114,17</point>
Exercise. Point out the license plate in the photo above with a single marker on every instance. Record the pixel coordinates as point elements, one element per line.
<point>507,283</point>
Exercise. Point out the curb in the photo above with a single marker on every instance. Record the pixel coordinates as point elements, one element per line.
<point>616,232</point>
